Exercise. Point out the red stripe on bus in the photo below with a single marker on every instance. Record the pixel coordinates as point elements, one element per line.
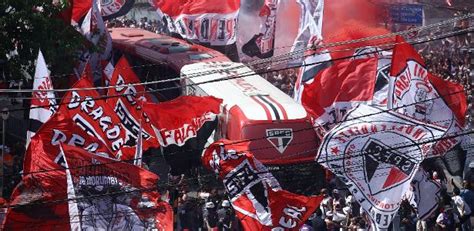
<point>285,115</point>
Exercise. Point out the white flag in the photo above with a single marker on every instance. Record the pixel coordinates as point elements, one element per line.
<point>43,103</point>
<point>376,154</point>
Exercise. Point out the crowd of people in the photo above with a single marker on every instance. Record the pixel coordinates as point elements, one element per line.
<point>206,208</point>
<point>144,23</point>
<point>284,79</point>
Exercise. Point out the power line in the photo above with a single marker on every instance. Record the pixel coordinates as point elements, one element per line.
<point>269,162</point>
<point>290,54</point>
<point>194,84</point>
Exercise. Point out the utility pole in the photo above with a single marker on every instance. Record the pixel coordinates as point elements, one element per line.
<point>470,110</point>
<point>5,113</point>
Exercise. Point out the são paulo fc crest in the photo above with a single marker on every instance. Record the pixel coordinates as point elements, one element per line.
<point>280,138</point>
<point>382,160</point>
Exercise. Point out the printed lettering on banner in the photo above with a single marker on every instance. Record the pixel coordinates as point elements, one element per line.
<point>180,135</point>
<point>216,29</point>
<point>413,95</point>
<point>240,179</point>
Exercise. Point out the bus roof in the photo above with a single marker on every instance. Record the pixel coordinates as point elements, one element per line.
<point>162,48</point>
<point>256,97</point>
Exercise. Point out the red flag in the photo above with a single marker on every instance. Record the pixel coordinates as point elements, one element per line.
<point>79,9</point>
<point>42,173</point>
<point>127,101</point>
<point>182,127</point>
<point>90,112</point>
<point>422,96</point>
<point>179,120</point>
<point>336,90</point>
<point>59,129</point>
<point>329,22</point>
<point>255,194</point>
<point>94,193</point>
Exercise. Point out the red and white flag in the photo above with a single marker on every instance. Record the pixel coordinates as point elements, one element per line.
<point>376,154</point>
<point>183,126</point>
<point>254,193</point>
<point>330,22</point>
<point>90,112</point>
<point>338,89</point>
<point>43,102</point>
<point>127,98</point>
<point>418,94</point>
<point>211,22</point>
<point>90,192</point>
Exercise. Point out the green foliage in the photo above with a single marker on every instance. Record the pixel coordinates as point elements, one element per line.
<point>28,25</point>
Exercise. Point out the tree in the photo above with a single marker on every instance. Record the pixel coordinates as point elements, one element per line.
<point>28,25</point>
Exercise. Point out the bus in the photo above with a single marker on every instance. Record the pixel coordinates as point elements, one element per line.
<point>279,129</point>
<point>155,57</point>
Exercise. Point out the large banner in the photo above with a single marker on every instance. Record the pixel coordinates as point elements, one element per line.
<point>254,193</point>
<point>413,94</point>
<point>207,21</point>
<point>43,99</point>
<point>376,153</point>
<point>91,193</point>
<point>89,111</point>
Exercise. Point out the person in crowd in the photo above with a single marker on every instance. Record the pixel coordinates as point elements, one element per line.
<point>330,224</point>
<point>446,220</point>
<point>210,216</point>
<point>326,203</point>
<point>318,222</point>
<point>224,215</point>
<point>463,210</point>
<point>407,216</point>
<point>467,194</point>
<point>338,197</point>
<point>339,218</point>
<point>352,206</point>
<point>185,215</point>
